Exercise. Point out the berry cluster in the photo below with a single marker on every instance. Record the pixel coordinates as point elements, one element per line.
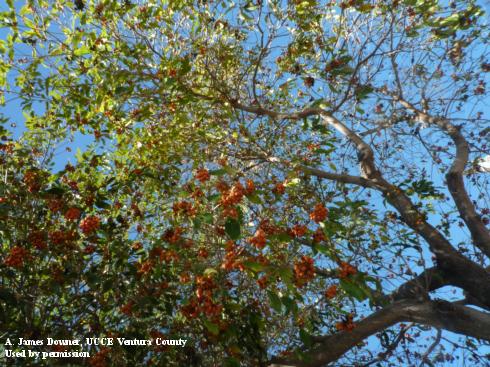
<point>234,195</point>
<point>202,175</point>
<point>231,262</point>
<point>259,239</point>
<point>17,256</point>
<point>100,358</point>
<point>7,148</point>
<point>127,308</point>
<point>346,269</point>
<point>249,187</point>
<point>38,240</point>
<point>90,224</point>
<point>304,270</point>
<point>203,302</point>
<point>164,255</point>
<point>185,208</point>
<point>31,179</point>
<point>298,230</point>
<point>279,189</point>
<point>55,205</point>
<point>331,292</point>
<point>59,237</point>
<point>89,249</point>
<point>319,236</point>
<point>145,267</point>
<point>346,324</point>
<point>173,235</point>
<point>269,228</point>
<point>319,213</point>
<point>73,214</point>
<point>230,212</point>
<point>263,281</point>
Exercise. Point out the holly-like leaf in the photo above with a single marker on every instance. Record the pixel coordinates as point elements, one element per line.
<point>232,228</point>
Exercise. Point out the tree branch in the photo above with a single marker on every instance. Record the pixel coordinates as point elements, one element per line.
<point>458,269</point>
<point>454,177</point>
<point>440,314</point>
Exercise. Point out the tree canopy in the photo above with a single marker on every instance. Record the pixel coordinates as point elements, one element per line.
<point>282,183</point>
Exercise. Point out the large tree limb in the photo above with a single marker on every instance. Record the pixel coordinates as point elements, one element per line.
<point>440,314</point>
<point>454,177</point>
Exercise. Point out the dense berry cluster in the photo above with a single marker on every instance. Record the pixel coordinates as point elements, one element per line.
<point>259,239</point>
<point>304,270</point>
<point>59,237</point>
<point>231,262</point>
<point>185,208</point>
<point>234,195</point>
<point>202,302</point>
<point>100,358</point>
<point>230,212</point>
<point>90,224</point>
<point>298,230</point>
<point>279,188</point>
<point>263,281</point>
<point>17,256</point>
<point>32,180</point>
<point>145,267</point>
<point>173,235</point>
<point>202,175</point>
<point>73,214</point>
<point>319,213</point>
<point>319,236</point>
<point>127,308</point>
<point>331,292</point>
<point>55,205</point>
<point>346,325</point>
<point>346,269</point>
<point>38,240</point>
<point>249,187</point>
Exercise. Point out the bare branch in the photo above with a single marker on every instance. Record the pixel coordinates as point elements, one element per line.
<point>425,357</point>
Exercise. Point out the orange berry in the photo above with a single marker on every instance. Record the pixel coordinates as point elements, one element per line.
<point>299,230</point>
<point>331,292</point>
<point>319,213</point>
<point>279,189</point>
<point>202,175</point>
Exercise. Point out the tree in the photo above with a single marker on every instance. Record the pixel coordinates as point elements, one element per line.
<point>281,183</point>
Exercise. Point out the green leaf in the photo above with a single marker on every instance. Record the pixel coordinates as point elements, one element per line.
<point>305,337</point>
<point>210,272</point>
<point>275,301</point>
<point>212,328</point>
<point>232,228</point>
<point>232,362</point>
<point>218,172</point>
<point>354,290</point>
<point>291,306</point>
<point>254,198</point>
<point>256,267</point>
<point>82,51</point>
